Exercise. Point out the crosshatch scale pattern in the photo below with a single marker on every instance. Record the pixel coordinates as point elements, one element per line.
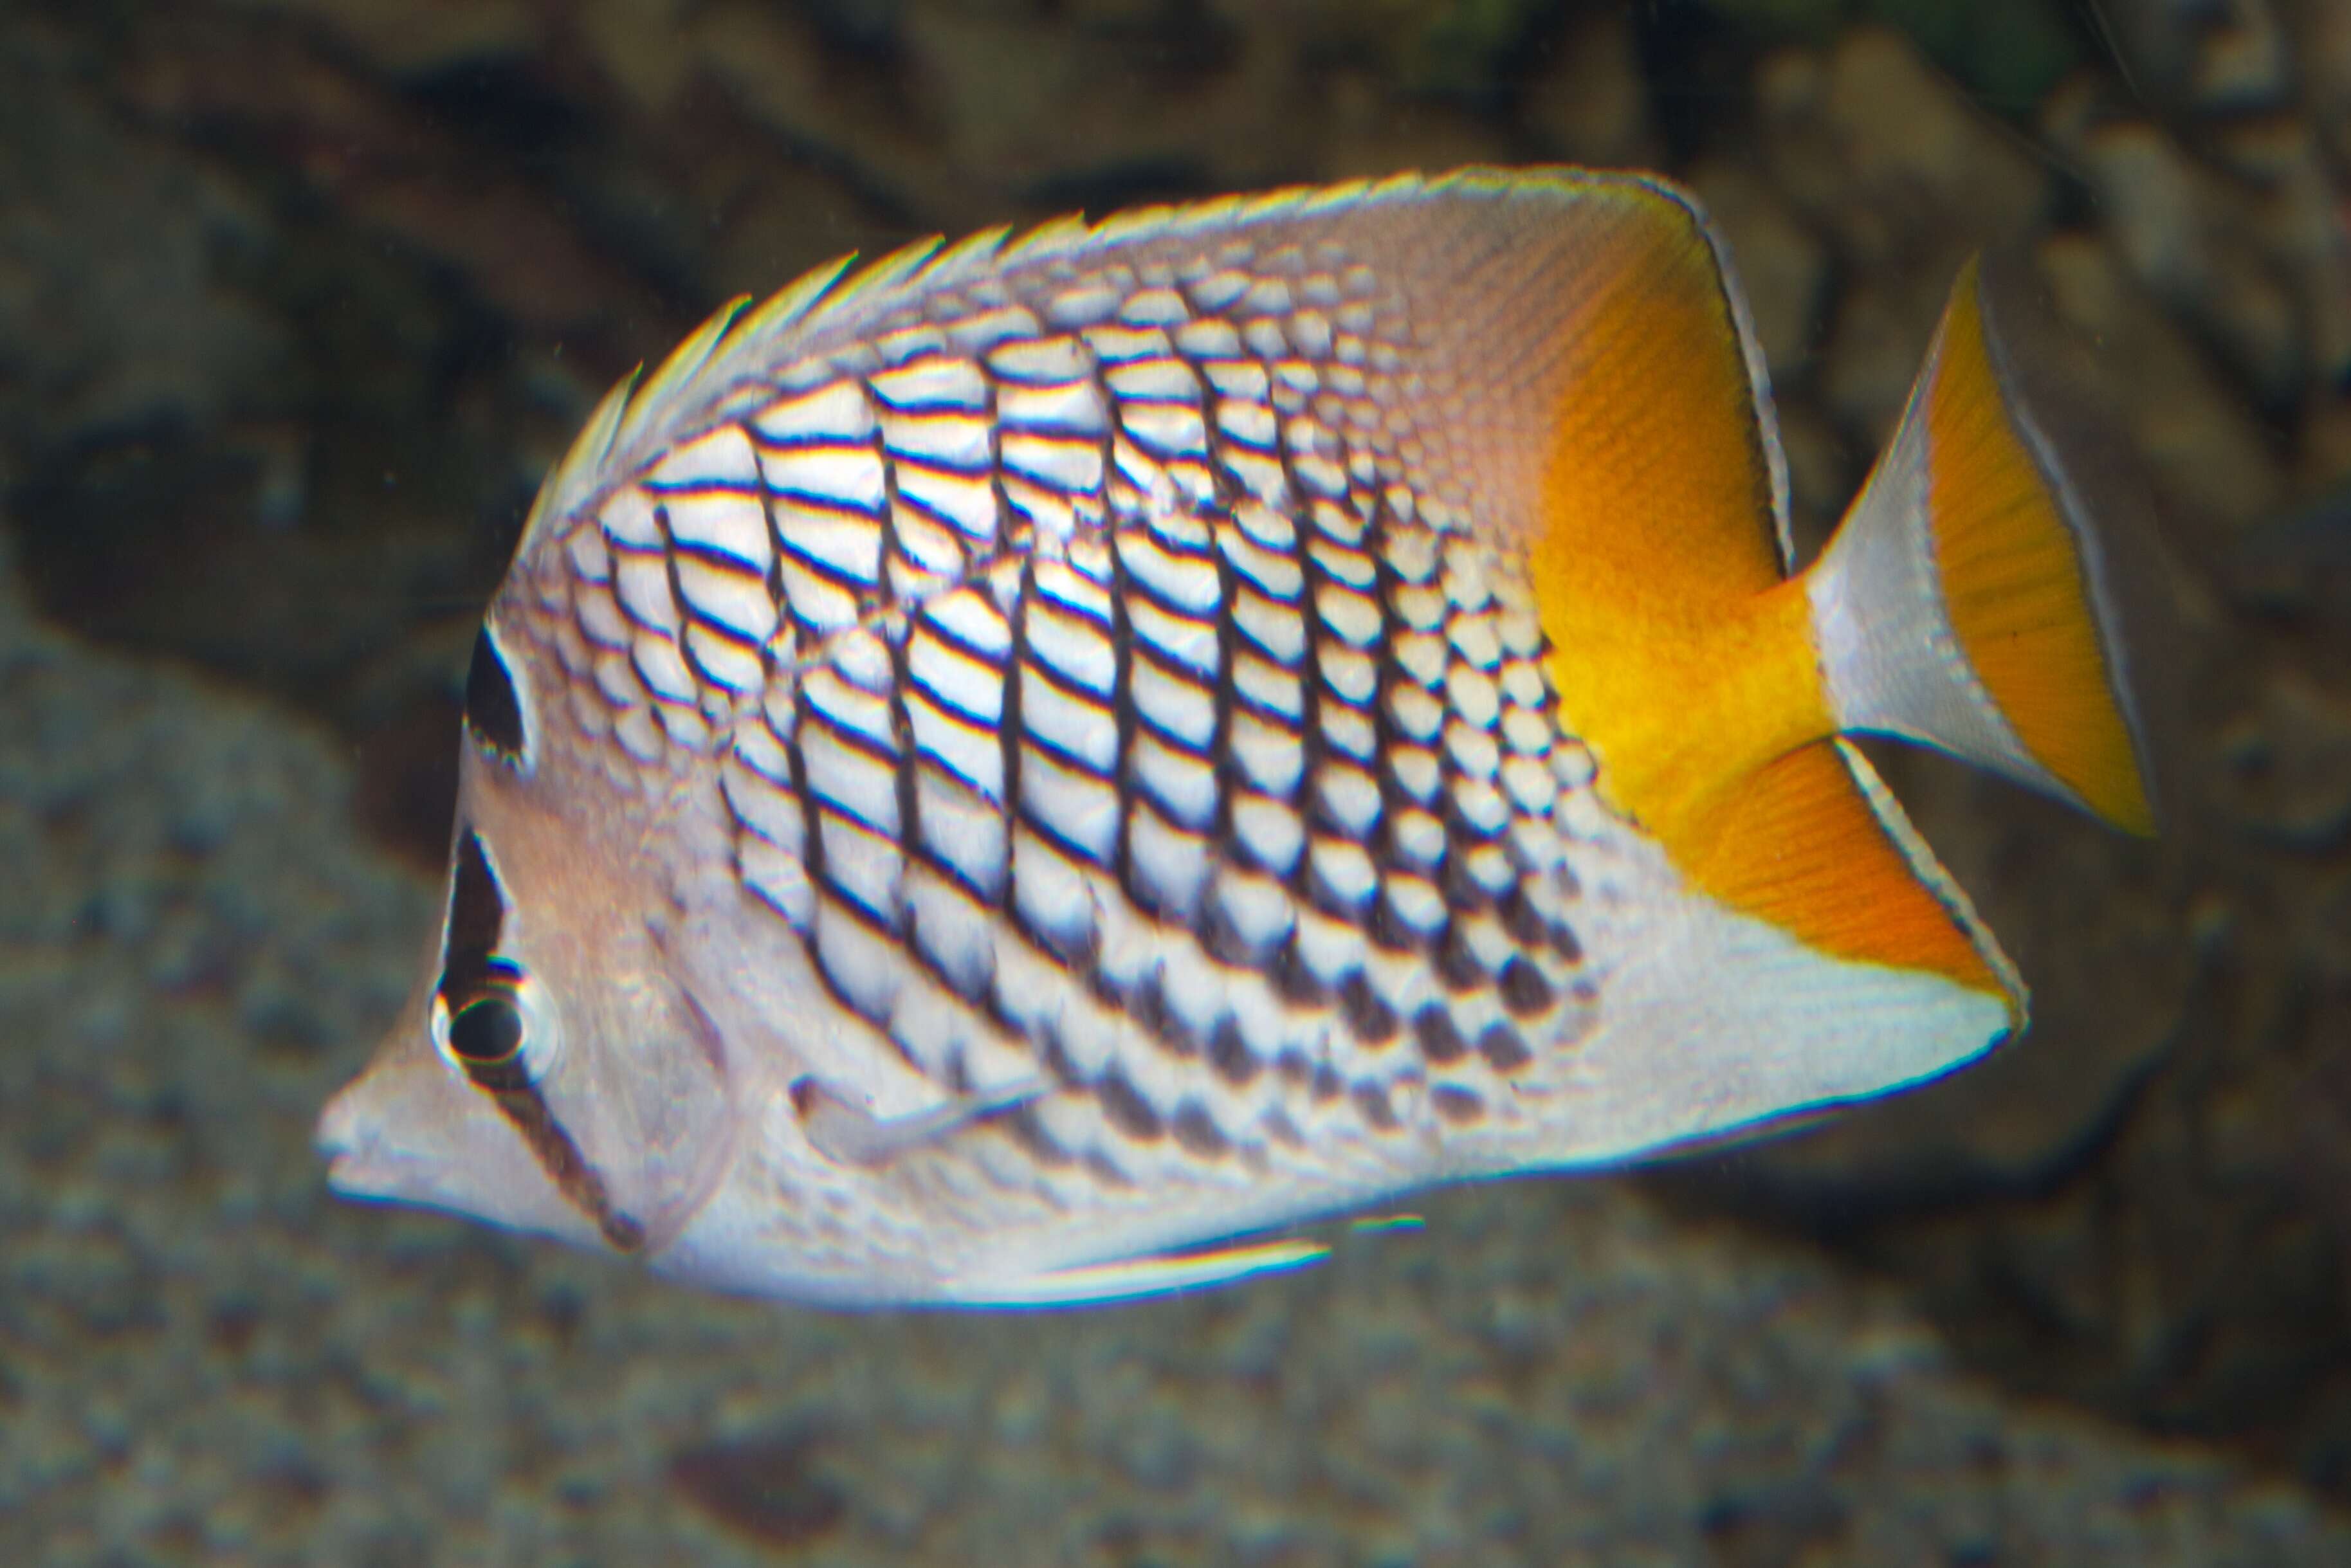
<point>1099,687</point>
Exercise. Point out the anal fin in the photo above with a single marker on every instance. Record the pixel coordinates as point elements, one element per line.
<point>1813,843</point>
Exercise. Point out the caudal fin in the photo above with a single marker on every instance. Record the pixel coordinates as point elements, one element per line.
<point>1967,602</point>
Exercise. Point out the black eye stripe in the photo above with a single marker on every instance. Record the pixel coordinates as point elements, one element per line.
<point>487,1030</point>
<point>488,1037</point>
<point>493,709</point>
<point>477,913</point>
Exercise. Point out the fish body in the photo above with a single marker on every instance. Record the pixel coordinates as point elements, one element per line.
<point>990,773</point>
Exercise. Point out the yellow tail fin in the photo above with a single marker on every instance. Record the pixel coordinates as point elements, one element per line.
<point>1965,603</point>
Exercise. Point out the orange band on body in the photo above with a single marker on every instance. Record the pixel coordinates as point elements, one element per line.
<point>1682,652</point>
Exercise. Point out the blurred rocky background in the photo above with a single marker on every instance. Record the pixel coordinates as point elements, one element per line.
<point>298,298</point>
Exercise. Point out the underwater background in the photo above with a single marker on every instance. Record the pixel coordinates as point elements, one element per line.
<point>298,299</point>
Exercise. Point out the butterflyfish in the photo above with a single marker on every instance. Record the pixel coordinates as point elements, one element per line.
<point>993,774</point>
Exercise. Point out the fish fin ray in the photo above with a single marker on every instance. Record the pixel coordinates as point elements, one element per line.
<point>789,305</point>
<point>1815,843</point>
<point>1133,1278</point>
<point>677,373</point>
<point>582,463</point>
<point>1965,604</point>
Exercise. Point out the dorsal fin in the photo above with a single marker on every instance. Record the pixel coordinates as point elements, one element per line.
<point>641,417</point>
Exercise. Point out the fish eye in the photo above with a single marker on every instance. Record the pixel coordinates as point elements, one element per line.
<point>490,1018</point>
<point>503,1035</point>
<point>487,1031</point>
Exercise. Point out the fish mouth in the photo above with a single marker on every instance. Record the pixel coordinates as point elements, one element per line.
<point>361,1161</point>
<point>408,1133</point>
<point>340,1141</point>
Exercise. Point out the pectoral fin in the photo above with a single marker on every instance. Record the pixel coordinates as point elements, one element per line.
<point>849,1133</point>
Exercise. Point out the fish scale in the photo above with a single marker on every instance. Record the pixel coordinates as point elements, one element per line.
<point>1147,765</point>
